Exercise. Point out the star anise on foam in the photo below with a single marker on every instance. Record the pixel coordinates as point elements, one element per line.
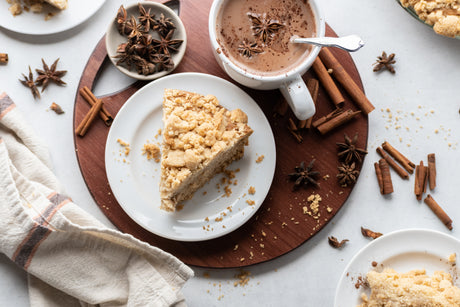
<point>29,82</point>
<point>347,174</point>
<point>164,25</point>
<point>348,150</point>
<point>304,175</point>
<point>248,49</point>
<point>50,74</point>
<point>165,44</point>
<point>263,27</point>
<point>385,61</point>
<point>146,19</point>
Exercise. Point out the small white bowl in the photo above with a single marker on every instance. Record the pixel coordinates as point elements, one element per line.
<point>113,38</point>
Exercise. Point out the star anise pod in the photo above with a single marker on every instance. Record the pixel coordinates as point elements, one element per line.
<point>49,74</point>
<point>248,49</point>
<point>146,19</point>
<point>29,82</point>
<point>347,174</point>
<point>385,61</point>
<point>164,25</point>
<point>263,27</point>
<point>121,19</point>
<point>334,242</point>
<point>165,44</point>
<point>348,150</point>
<point>133,29</point>
<point>162,61</point>
<point>143,46</point>
<point>304,175</point>
<point>143,66</point>
<point>370,234</point>
<point>125,53</point>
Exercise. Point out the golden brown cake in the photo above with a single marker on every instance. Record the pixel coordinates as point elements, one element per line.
<point>200,139</point>
<point>60,4</point>
<point>443,15</point>
<point>414,288</point>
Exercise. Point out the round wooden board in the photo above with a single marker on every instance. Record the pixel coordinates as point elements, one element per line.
<point>280,225</point>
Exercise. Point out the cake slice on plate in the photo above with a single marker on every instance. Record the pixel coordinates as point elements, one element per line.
<point>200,139</point>
<point>60,4</point>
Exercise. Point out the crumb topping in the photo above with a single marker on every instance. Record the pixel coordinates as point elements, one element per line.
<point>152,151</point>
<point>414,288</point>
<point>196,129</point>
<point>443,15</point>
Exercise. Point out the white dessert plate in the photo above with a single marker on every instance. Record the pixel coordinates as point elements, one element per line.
<point>30,23</point>
<point>134,180</point>
<point>402,250</point>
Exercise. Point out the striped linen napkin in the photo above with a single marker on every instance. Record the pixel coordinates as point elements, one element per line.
<point>71,258</point>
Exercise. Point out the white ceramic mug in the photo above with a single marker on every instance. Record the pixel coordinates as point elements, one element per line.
<point>290,83</point>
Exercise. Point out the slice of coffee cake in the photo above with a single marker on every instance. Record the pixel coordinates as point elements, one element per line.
<point>200,139</point>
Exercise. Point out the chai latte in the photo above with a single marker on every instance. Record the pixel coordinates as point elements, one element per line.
<point>255,34</point>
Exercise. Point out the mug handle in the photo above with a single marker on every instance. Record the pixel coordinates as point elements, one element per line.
<point>298,97</point>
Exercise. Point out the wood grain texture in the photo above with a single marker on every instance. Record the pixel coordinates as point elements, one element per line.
<point>280,225</point>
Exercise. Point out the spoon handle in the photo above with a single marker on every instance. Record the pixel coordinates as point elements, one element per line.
<point>349,43</point>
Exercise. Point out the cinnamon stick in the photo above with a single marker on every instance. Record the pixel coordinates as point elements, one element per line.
<point>405,162</point>
<point>441,214</point>
<point>386,177</point>
<point>417,186</point>
<point>346,81</point>
<point>425,178</point>
<point>337,121</point>
<point>378,172</point>
<point>89,118</point>
<point>402,173</point>
<point>292,125</point>
<point>327,82</point>
<point>86,93</point>
<point>296,135</point>
<point>313,88</point>
<point>432,171</point>
<point>421,179</point>
<point>3,58</point>
<point>281,108</point>
<point>327,117</point>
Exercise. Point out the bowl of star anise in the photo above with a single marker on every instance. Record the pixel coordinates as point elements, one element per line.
<point>146,40</point>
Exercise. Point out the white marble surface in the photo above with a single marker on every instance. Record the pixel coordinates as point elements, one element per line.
<point>421,97</point>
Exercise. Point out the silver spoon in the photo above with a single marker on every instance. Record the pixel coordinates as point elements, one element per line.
<point>349,43</point>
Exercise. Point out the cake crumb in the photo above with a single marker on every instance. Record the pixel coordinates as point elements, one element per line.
<point>228,191</point>
<point>250,202</point>
<point>152,151</point>
<point>158,133</point>
<point>452,258</point>
<point>125,145</point>
<point>260,158</point>
<point>243,278</point>
<point>252,190</point>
